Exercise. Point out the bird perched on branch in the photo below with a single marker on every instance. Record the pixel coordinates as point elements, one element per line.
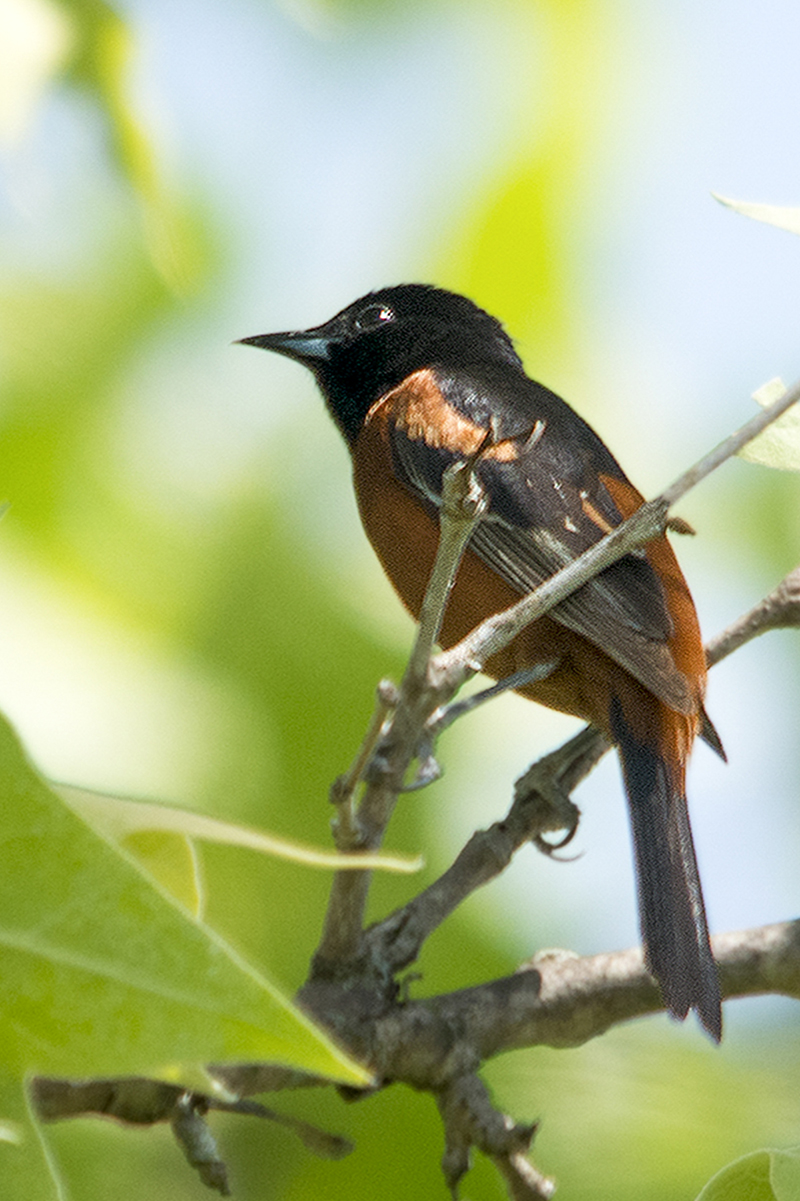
<point>418,378</point>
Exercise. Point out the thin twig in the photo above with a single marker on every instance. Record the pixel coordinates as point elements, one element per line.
<point>646,523</point>
<point>463,503</point>
<point>198,1143</point>
<point>779,610</point>
<point>347,835</point>
<point>340,944</point>
<point>460,662</point>
<point>731,445</point>
<point>541,806</point>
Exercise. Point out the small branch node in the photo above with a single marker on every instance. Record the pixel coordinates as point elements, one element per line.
<point>471,1120</point>
<point>388,694</point>
<point>463,503</point>
<point>677,525</point>
<point>197,1142</point>
<point>463,496</point>
<point>428,771</point>
<point>524,1181</point>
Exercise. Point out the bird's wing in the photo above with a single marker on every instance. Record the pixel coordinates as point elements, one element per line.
<point>543,469</point>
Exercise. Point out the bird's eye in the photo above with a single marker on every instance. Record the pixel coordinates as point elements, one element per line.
<point>373,316</point>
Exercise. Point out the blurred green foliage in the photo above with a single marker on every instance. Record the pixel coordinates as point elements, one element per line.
<point>233,594</point>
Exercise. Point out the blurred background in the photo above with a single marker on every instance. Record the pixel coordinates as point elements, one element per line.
<point>188,608</point>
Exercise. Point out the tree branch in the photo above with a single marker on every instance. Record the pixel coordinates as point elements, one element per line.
<point>779,610</point>
<point>558,999</point>
<point>542,805</point>
<point>364,827</point>
<point>562,1000</point>
<point>431,681</point>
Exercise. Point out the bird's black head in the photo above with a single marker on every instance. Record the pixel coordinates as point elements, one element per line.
<point>378,340</point>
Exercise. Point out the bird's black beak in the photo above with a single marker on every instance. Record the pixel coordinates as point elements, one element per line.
<point>310,346</point>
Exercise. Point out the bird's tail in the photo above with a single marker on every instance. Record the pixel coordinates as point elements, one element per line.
<point>671,909</point>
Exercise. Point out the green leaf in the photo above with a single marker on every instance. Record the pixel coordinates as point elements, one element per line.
<point>779,445</point>
<point>760,1176</point>
<point>785,1174</point>
<point>26,1169</point>
<point>104,974</point>
<point>174,861</point>
<point>119,818</point>
<point>162,839</point>
<point>770,214</point>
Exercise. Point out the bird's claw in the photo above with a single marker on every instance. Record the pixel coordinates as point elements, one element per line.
<point>428,766</point>
<point>549,848</point>
<point>428,770</point>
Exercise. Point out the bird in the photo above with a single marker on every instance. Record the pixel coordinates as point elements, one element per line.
<point>418,378</point>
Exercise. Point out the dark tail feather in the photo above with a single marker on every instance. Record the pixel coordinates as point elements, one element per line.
<point>710,736</point>
<point>671,910</point>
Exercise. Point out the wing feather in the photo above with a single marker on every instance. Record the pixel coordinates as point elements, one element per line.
<point>547,504</point>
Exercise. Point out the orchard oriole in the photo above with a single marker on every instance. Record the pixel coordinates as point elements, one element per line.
<point>417,378</point>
